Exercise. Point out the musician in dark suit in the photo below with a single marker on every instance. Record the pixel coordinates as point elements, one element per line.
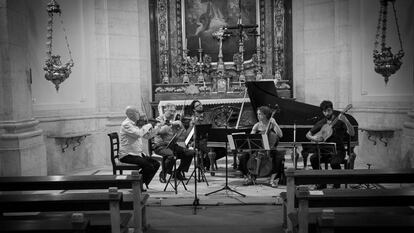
<point>197,117</point>
<point>340,130</point>
<point>167,129</point>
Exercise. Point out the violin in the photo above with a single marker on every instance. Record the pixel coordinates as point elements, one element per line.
<point>143,121</point>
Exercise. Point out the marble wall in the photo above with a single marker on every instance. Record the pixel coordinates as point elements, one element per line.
<point>112,70</point>
<point>22,149</point>
<point>332,59</point>
<point>333,42</point>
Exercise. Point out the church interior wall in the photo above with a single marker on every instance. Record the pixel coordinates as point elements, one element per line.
<point>333,46</point>
<point>112,70</point>
<point>332,59</point>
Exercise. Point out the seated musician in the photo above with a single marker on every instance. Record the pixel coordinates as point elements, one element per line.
<point>264,114</point>
<point>130,145</point>
<point>197,111</point>
<point>168,128</point>
<point>339,133</point>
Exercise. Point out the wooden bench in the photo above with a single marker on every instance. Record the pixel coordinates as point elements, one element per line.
<point>136,201</point>
<point>348,198</point>
<point>358,176</point>
<point>51,225</point>
<point>330,222</point>
<point>109,201</point>
<point>98,221</point>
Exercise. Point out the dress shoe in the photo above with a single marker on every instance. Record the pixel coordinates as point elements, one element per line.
<point>162,177</point>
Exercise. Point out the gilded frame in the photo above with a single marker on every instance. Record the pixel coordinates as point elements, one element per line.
<point>194,10</point>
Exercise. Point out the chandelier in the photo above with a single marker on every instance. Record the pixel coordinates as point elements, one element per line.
<point>386,63</point>
<point>54,70</point>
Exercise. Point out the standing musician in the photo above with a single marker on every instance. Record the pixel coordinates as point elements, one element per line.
<point>197,111</point>
<point>169,128</point>
<point>130,144</point>
<point>340,128</point>
<point>266,123</point>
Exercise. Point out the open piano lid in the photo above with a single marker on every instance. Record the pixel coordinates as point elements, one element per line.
<point>263,93</point>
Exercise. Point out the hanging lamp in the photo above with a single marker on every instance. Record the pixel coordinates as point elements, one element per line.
<point>54,70</point>
<point>386,63</point>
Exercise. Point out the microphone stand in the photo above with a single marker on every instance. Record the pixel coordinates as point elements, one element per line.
<point>196,201</point>
<point>226,186</point>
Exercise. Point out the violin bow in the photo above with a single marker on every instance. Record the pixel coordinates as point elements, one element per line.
<point>241,109</point>
<point>145,110</point>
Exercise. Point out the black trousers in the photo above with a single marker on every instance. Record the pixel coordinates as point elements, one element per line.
<point>334,159</point>
<point>182,153</point>
<point>149,166</point>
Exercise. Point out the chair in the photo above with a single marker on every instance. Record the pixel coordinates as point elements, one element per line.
<point>161,159</point>
<point>116,164</point>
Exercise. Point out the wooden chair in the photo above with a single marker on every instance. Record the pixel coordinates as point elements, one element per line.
<point>116,164</point>
<point>162,159</point>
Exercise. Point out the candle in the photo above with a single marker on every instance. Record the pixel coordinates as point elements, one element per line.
<point>185,44</point>
<point>199,42</point>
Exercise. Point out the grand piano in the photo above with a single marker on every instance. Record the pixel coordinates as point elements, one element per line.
<point>295,118</point>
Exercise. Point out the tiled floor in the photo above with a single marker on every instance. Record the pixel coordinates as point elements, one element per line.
<point>261,193</point>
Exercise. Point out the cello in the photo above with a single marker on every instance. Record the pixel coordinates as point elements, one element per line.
<point>260,163</point>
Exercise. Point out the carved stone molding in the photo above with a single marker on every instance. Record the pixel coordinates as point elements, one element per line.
<point>272,43</point>
<point>279,39</point>
<point>163,38</point>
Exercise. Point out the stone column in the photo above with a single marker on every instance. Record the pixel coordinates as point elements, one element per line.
<point>22,147</point>
<point>407,144</point>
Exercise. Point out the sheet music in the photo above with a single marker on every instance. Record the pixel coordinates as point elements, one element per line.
<point>189,136</point>
<point>231,142</point>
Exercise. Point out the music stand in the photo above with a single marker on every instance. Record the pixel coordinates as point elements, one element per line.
<point>198,132</point>
<point>175,186</point>
<point>321,148</point>
<point>242,141</point>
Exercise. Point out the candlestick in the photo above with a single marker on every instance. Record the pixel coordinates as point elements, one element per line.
<point>185,44</point>
<point>199,42</point>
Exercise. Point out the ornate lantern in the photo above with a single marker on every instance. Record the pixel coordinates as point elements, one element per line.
<point>386,63</point>
<point>54,70</point>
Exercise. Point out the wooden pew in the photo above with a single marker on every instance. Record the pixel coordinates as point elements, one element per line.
<point>358,176</point>
<point>65,202</point>
<point>51,225</point>
<point>330,222</point>
<point>348,198</point>
<point>135,202</point>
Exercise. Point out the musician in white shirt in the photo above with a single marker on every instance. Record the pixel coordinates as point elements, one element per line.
<point>130,145</point>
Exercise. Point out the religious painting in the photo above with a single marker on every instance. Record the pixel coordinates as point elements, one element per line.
<point>203,17</point>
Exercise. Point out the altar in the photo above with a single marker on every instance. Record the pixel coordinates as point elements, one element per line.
<point>212,63</point>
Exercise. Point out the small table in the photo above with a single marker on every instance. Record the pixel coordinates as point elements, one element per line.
<point>383,134</point>
<point>70,138</point>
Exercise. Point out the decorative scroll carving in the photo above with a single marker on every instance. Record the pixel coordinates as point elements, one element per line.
<point>262,31</point>
<point>279,42</point>
<point>174,72</point>
<point>163,40</point>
